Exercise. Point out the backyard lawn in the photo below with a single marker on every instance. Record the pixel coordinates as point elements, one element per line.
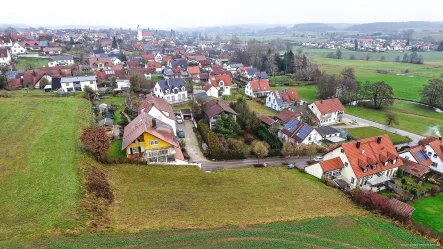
<point>196,199</point>
<point>259,108</point>
<point>39,164</point>
<point>365,132</point>
<point>117,101</point>
<point>329,232</point>
<point>116,150</point>
<point>31,63</point>
<point>412,117</point>
<point>429,213</point>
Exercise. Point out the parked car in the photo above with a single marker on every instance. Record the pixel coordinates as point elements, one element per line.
<point>179,118</point>
<point>353,121</point>
<point>260,165</point>
<point>180,133</point>
<point>318,158</point>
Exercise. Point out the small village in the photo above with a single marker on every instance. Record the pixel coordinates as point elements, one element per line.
<point>160,98</point>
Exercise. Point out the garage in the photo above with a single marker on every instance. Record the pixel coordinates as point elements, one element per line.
<point>186,114</point>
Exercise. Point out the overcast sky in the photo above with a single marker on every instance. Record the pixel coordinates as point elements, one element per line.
<point>203,13</point>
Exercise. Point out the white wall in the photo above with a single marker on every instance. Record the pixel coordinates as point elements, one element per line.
<point>154,112</point>
<point>408,155</point>
<point>315,170</point>
<point>212,92</point>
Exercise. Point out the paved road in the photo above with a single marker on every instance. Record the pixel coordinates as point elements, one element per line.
<point>414,137</point>
<point>192,146</point>
<point>218,165</point>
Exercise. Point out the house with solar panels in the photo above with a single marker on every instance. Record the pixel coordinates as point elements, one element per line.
<point>428,153</point>
<point>299,133</point>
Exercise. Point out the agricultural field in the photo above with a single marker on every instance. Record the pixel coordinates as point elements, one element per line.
<point>171,197</point>
<point>428,213</point>
<point>338,232</point>
<point>31,63</point>
<point>366,132</point>
<point>267,37</point>
<point>412,117</point>
<point>40,164</point>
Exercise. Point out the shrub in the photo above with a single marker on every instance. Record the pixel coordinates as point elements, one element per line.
<point>271,138</point>
<point>248,138</point>
<point>328,182</point>
<point>400,173</point>
<point>435,189</point>
<point>403,181</point>
<point>96,140</point>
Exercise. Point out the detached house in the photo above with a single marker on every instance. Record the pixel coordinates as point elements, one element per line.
<point>52,50</point>
<point>299,133</point>
<point>160,109</point>
<point>366,163</point>
<point>221,83</point>
<point>173,90</point>
<point>282,99</point>
<point>100,64</point>
<point>17,49</point>
<point>329,111</point>
<point>429,154</point>
<point>61,60</point>
<point>5,57</point>
<point>194,72</point>
<point>152,140</point>
<point>257,89</point>
<point>76,84</point>
<point>214,108</point>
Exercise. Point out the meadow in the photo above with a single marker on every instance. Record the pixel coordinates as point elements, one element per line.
<point>366,132</point>
<point>26,63</point>
<point>39,168</point>
<point>412,117</point>
<point>428,213</point>
<point>328,232</point>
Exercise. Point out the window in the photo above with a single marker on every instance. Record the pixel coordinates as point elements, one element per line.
<point>346,164</point>
<point>374,167</point>
<point>386,164</point>
<point>394,161</point>
<point>153,142</point>
<point>342,150</point>
<point>429,153</point>
<point>406,157</point>
<point>365,170</point>
<point>352,180</point>
<point>91,82</point>
<point>434,156</point>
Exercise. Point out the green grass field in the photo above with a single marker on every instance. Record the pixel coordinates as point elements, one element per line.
<point>366,132</point>
<point>306,93</point>
<point>116,150</point>
<point>24,63</point>
<point>428,213</point>
<point>338,232</point>
<point>39,164</point>
<point>167,197</point>
<point>412,117</point>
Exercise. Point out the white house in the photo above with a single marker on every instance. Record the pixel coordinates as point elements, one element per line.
<point>160,109</point>
<point>257,88</point>
<point>76,84</point>
<point>429,153</point>
<point>158,57</point>
<point>329,111</point>
<point>5,57</point>
<point>223,84</point>
<point>61,60</point>
<point>210,90</point>
<point>173,90</point>
<point>122,85</point>
<point>366,163</point>
<point>299,133</point>
<point>17,49</point>
<point>233,67</point>
<point>282,99</point>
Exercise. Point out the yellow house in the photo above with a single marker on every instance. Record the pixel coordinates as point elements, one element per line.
<point>151,139</point>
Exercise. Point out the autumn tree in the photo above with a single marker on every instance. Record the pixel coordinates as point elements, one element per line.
<point>348,86</point>
<point>327,86</point>
<point>381,93</point>
<point>95,139</point>
<point>260,150</point>
<point>43,82</point>
<point>287,149</point>
<point>431,93</point>
<point>305,69</point>
<point>391,119</point>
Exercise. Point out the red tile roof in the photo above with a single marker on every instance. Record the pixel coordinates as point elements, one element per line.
<point>414,168</point>
<point>331,164</point>
<point>215,80</point>
<point>401,207</point>
<point>194,70</point>
<point>259,85</point>
<point>369,151</point>
<point>427,140</point>
<point>207,87</point>
<point>166,58</point>
<point>290,95</point>
<point>133,64</point>
<point>329,105</point>
<point>159,103</point>
<point>437,146</point>
<point>148,57</point>
<point>265,119</point>
<point>93,62</point>
<point>217,69</point>
<point>146,33</point>
<point>286,115</point>
<point>153,64</point>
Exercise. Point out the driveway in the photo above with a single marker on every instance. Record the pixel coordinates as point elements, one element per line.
<point>414,137</point>
<point>192,146</point>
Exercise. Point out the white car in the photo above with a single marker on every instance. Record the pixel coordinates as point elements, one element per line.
<point>179,119</point>
<point>318,158</point>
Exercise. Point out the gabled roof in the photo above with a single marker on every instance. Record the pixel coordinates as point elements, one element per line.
<point>414,168</point>
<point>261,75</point>
<point>207,87</point>
<point>297,130</point>
<point>400,207</point>
<point>161,104</point>
<point>133,64</point>
<point>153,64</point>
<point>289,96</point>
<point>329,106</point>
<point>171,83</point>
<point>180,63</point>
<point>148,57</point>
<point>259,85</point>
<point>371,153</point>
<point>331,164</point>
<point>216,69</point>
<point>93,62</point>
<point>215,80</point>
<point>326,130</point>
<point>201,96</point>
<point>143,123</point>
<point>251,71</point>
<point>194,70</point>
<point>215,107</point>
<point>286,115</point>
<point>265,119</point>
<point>420,155</point>
<point>437,146</point>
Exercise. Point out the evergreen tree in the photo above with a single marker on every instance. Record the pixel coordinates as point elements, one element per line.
<point>440,47</point>
<point>114,43</point>
<point>355,45</point>
<point>407,42</point>
<point>405,58</point>
<point>71,41</point>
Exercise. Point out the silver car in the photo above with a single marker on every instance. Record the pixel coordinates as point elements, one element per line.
<point>179,118</point>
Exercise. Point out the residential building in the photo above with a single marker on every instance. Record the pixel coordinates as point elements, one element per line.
<point>223,84</point>
<point>76,84</point>
<point>257,89</point>
<point>214,108</point>
<point>329,134</point>
<point>61,60</point>
<point>122,85</point>
<point>52,50</point>
<point>160,109</point>
<point>367,163</point>
<point>286,115</point>
<point>194,71</point>
<point>428,153</point>
<point>173,90</point>
<point>299,133</point>
<point>328,111</point>
<point>282,99</point>
<point>100,64</point>
<point>152,140</point>
<point>211,91</point>
<point>17,49</point>
<point>267,121</point>
<point>5,57</point>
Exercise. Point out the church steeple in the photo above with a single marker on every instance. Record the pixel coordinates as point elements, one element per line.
<point>139,33</point>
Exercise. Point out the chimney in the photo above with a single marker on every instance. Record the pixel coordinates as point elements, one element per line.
<point>154,122</point>
<point>358,144</point>
<point>321,101</point>
<point>440,138</point>
<point>378,140</point>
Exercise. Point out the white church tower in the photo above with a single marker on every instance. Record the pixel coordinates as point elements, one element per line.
<point>139,33</point>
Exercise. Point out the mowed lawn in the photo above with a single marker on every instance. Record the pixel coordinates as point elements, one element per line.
<point>329,232</point>
<point>412,117</point>
<point>166,197</point>
<point>306,93</point>
<point>429,213</point>
<point>23,63</point>
<point>39,167</point>
<point>366,132</point>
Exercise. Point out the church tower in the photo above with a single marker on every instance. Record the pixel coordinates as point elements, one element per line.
<point>139,33</point>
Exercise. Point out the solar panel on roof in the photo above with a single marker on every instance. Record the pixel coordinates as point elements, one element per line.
<point>422,156</point>
<point>291,125</point>
<point>304,132</point>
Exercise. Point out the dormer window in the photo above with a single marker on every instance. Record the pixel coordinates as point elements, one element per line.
<point>394,161</point>
<point>342,150</point>
<point>386,164</point>
<point>365,170</point>
<point>374,167</point>
<point>346,164</point>
<point>183,88</point>
<point>167,91</point>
